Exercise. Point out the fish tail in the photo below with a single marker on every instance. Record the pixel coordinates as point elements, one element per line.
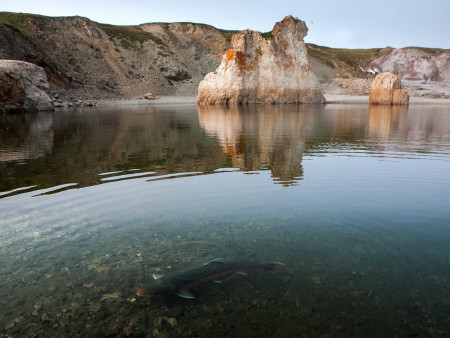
<point>274,267</point>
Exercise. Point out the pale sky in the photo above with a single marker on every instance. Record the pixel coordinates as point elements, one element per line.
<point>331,23</point>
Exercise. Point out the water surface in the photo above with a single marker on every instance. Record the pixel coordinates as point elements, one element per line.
<point>353,200</point>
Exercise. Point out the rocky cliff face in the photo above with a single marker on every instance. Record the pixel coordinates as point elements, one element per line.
<point>85,59</point>
<point>99,60</point>
<point>264,70</point>
<point>410,64</point>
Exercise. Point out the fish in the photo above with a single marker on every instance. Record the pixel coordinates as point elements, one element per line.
<point>214,271</point>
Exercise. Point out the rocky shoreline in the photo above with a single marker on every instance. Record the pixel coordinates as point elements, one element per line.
<point>191,100</point>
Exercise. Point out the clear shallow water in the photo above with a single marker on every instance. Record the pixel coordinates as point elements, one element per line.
<point>353,200</point>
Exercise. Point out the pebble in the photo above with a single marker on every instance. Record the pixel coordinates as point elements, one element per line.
<point>94,307</point>
<point>128,331</point>
<point>110,296</point>
<point>158,322</point>
<point>172,321</point>
<point>45,317</point>
<point>175,311</point>
<point>163,334</point>
<point>207,324</point>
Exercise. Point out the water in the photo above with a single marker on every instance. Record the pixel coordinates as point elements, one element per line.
<point>353,200</point>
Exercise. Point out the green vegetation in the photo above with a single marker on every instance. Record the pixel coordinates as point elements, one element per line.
<point>267,35</point>
<point>227,34</point>
<point>169,33</point>
<point>130,34</point>
<point>20,22</point>
<point>346,60</point>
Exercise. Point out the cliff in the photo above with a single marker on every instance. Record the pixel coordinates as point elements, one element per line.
<point>86,59</point>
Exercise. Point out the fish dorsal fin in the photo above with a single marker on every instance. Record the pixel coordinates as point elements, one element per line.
<point>218,260</point>
<point>157,276</point>
<point>185,293</point>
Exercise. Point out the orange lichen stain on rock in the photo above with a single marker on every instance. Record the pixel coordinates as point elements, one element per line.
<point>230,54</point>
<point>240,59</point>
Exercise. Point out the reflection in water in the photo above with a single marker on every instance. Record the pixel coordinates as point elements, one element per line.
<point>24,137</point>
<point>85,144</point>
<point>52,149</point>
<point>413,132</point>
<point>384,120</point>
<point>257,137</point>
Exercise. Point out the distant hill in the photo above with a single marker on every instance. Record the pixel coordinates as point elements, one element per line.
<point>89,59</point>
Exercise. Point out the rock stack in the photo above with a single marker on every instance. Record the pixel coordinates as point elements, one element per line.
<point>386,89</point>
<point>264,69</point>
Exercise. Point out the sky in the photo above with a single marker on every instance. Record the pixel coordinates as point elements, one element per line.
<point>331,23</point>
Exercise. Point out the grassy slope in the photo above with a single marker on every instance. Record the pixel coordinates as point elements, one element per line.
<point>18,21</point>
<point>346,61</point>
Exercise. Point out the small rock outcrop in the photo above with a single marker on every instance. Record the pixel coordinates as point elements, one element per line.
<point>263,69</point>
<point>386,89</point>
<point>23,87</point>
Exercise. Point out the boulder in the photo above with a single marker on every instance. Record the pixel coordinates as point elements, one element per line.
<point>23,87</point>
<point>400,97</point>
<point>264,69</point>
<point>150,96</point>
<point>386,89</point>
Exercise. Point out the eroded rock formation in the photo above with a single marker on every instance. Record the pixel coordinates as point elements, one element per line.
<point>410,64</point>
<point>23,87</point>
<point>262,69</point>
<point>386,89</point>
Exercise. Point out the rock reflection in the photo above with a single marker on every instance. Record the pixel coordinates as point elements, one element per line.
<point>24,137</point>
<point>76,146</point>
<point>256,137</point>
<point>409,131</point>
<point>52,149</point>
<point>385,119</point>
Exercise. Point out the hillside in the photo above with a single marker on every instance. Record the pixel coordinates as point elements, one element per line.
<point>86,59</point>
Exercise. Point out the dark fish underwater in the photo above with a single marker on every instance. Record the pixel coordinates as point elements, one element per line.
<point>213,271</point>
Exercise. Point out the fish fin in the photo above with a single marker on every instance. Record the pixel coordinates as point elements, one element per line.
<point>243,272</point>
<point>274,267</point>
<point>185,293</point>
<point>157,276</point>
<point>218,260</point>
<point>217,281</point>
